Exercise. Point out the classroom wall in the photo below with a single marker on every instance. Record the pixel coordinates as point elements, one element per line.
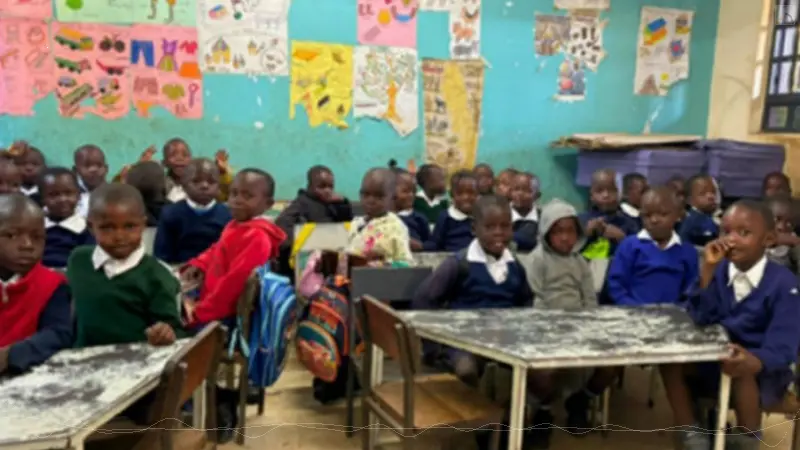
<point>249,116</point>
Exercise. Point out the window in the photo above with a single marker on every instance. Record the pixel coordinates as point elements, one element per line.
<point>779,56</point>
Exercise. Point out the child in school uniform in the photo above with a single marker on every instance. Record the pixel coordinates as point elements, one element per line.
<point>485,176</point>
<point>525,213</point>
<point>30,162</point>
<point>192,225</point>
<point>66,227</point>
<point>90,166</point>
<point>605,224</point>
<point>633,186</point>
<point>653,266</point>
<point>678,186</point>
<point>699,227</point>
<point>758,304</point>
<point>453,229</point>
<point>503,182</point>
<point>786,249</point>
<point>148,178</point>
<point>10,177</point>
<point>776,184</point>
<point>419,231</point>
<point>431,199</point>
<point>36,307</point>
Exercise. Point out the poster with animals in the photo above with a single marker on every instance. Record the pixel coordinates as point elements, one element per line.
<point>465,29</point>
<point>662,57</point>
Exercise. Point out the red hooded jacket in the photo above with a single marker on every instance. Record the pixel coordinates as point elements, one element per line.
<point>242,247</point>
<point>22,303</point>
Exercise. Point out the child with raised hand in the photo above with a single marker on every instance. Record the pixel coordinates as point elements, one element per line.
<point>485,176</point>
<point>453,229</point>
<point>757,303</point>
<point>36,307</point>
<point>148,178</point>
<point>786,249</point>
<point>90,166</point>
<point>10,177</point>
<point>605,224</point>
<point>30,162</point>
<point>191,226</point>
<point>503,182</point>
<point>525,213</point>
<point>419,230</point>
<point>653,266</point>
<point>380,235</point>
<point>431,199</point>
<point>66,227</point>
<point>699,227</point>
<point>633,186</point>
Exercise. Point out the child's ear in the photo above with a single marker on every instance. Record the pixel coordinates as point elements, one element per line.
<point>269,202</point>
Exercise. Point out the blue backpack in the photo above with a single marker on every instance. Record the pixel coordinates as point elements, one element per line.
<point>272,328</point>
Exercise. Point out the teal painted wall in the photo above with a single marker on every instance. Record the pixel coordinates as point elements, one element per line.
<point>519,120</point>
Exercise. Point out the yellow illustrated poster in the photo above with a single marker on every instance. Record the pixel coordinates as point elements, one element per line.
<point>322,82</point>
<point>453,92</point>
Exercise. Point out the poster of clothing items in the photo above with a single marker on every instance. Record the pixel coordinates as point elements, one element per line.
<point>162,12</point>
<point>385,86</point>
<point>321,82</point>
<point>662,57</point>
<point>551,33</point>
<point>388,22</point>
<point>571,81</point>
<point>28,70</point>
<point>437,5</point>
<point>586,38</point>
<point>29,9</point>
<point>582,4</point>
<point>244,37</point>
<point>452,95</point>
<point>465,29</point>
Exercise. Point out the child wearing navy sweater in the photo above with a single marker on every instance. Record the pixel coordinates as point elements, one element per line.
<point>758,304</point>
<point>90,165</point>
<point>453,229</point>
<point>786,249</point>
<point>605,224</point>
<point>431,199</point>
<point>633,186</point>
<point>419,231</point>
<point>524,213</point>
<point>30,161</point>
<point>189,227</point>
<point>485,176</point>
<point>66,228</point>
<point>10,177</point>
<point>653,266</point>
<point>699,227</point>
<point>36,306</point>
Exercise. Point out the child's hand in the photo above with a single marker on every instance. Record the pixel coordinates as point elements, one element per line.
<point>789,239</point>
<point>415,245</point>
<point>715,251</point>
<point>191,276</point>
<point>148,154</point>
<point>613,233</point>
<point>221,158</point>
<point>595,226</point>
<point>189,306</point>
<point>160,334</point>
<point>4,358</point>
<point>741,362</point>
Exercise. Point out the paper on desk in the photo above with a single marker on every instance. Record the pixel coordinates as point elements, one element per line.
<point>26,68</point>
<point>662,57</point>
<point>388,22</point>
<point>322,82</point>
<point>29,9</point>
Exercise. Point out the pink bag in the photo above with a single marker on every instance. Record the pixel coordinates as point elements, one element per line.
<point>312,279</point>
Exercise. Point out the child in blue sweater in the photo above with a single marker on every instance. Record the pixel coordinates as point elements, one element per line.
<point>419,230</point>
<point>653,266</point>
<point>189,227</point>
<point>453,229</point>
<point>758,304</point>
<point>605,224</point>
<point>66,227</point>
<point>698,227</point>
<point>633,187</point>
<point>91,168</point>
<point>525,213</point>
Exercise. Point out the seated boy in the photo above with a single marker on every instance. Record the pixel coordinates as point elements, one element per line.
<point>191,226</point>
<point>66,228</point>
<point>431,200</point>
<point>30,161</point>
<point>786,248</point>
<point>653,266</point>
<point>633,186</point>
<point>776,184</point>
<point>485,175</point>
<point>605,224</point>
<point>699,227</point>
<point>36,307</point>
<point>148,178</point>
<point>525,213</point>
<point>419,231</point>
<point>758,304</point>
<point>503,182</point>
<point>91,168</point>
<point>453,229</point>
<point>10,177</point>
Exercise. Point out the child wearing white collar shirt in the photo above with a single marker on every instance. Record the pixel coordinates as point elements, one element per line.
<point>524,213</point>
<point>91,168</point>
<point>431,199</point>
<point>453,229</point>
<point>633,187</point>
<point>30,161</point>
<point>66,228</point>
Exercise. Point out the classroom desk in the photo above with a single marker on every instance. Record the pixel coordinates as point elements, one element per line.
<point>63,401</point>
<point>548,339</point>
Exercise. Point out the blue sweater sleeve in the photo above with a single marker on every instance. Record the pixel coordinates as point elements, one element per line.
<point>164,247</point>
<point>433,292</point>
<point>620,272</point>
<point>703,305</point>
<point>436,242</point>
<point>782,338</point>
<point>55,333</point>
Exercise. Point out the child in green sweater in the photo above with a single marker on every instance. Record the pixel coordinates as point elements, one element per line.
<point>431,199</point>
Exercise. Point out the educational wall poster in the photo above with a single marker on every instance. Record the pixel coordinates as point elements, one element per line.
<point>582,4</point>
<point>26,67</point>
<point>662,57</point>
<point>452,95</point>
<point>161,12</point>
<point>92,63</point>
<point>465,29</point>
<point>586,38</point>
<point>244,37</point>
<point>385,86</point>
<point>321,82</point>
<point>436,5</point>
<point>164,71</point>
<point>571,81</point>
<point>388,22</point>
<point>29,9</point>
<point>551,33</point>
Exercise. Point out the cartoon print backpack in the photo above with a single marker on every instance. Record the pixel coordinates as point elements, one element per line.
<point>272,328</point>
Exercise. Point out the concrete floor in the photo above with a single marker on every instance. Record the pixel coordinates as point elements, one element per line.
<point>294,420</point>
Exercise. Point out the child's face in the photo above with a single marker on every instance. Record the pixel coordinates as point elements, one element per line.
<point>10,178</point>
<point>465,194</point>
<point>374,195</point>
<point>21,242</point>
<point>90,164</point>
<point>201,183</point>
<point>635,190</point>
<point>523,196</point>
<point>60,196</point>
<point>485,179</point>
<point>776,186</point>
<point>659,215</point>
<point>747,235</point>
<point>502,185</point>
<point>435,183</point>
<point>248,197</point>
<point>404,195</point>
<point>604,194</point>
<point>322,184</point>
<point>118,228</point>
<point>704,195</point>
<point>680,190</point>
<point>494,230</point>
<point>783,217</point>
<point>30,165</point>
<point>563,235</point>
<point>176,157</point>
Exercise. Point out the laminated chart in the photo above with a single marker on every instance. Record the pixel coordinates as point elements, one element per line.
<point>162,12</point>
<point>321,82</point>
<point>27,71</point>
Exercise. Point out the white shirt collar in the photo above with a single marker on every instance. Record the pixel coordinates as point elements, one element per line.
<point>82,185</point>
<point>199,207</point>
<point>674,240</point>
<point>532,216</point>
<point>629,209</point>
<point>75,223</point>
<point>476,254</point>
<point>83,204</point>
<point>114,267</point>
<point>455,214</point>
<point>29,191</point>
<point>405,213</point>
<point>431,202</point>
<point>753,276</point>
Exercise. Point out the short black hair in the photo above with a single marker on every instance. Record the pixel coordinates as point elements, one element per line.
<point>175,140</point>
<point>424,172</point>
<point>678,178</point>
<point>601,172</point>
<point>535,183</point>
<point>776,174</point>
<point>54,172</point>
<point>483,166</point>
<point>758,207</point>
<point>85,148</point>
<point>694,179</point>
<point>391,178</point>
<point>32,149</point>
<point>395,168</point>
<point>196,164</point>
<point>662,192</point>
<point>460,176</point>
<point>629,178</point>
<point>114,194</point>
<point>488,202</point>
<point>16,204</point>
<point>269,182</point>
<point>149,178</point>
<point>316,170</point>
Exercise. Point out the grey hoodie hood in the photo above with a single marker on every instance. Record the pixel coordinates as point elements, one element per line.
<point>552,213</point>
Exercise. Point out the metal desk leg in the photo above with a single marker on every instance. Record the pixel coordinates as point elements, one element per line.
<point>377,378</point>
<point>199,407</point>
<point>518,397</point>
<point>722,411</point>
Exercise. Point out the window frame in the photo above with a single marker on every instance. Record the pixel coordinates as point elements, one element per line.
<point>774,60</point>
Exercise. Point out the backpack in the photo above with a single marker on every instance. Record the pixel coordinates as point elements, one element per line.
<point>272,328</point>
